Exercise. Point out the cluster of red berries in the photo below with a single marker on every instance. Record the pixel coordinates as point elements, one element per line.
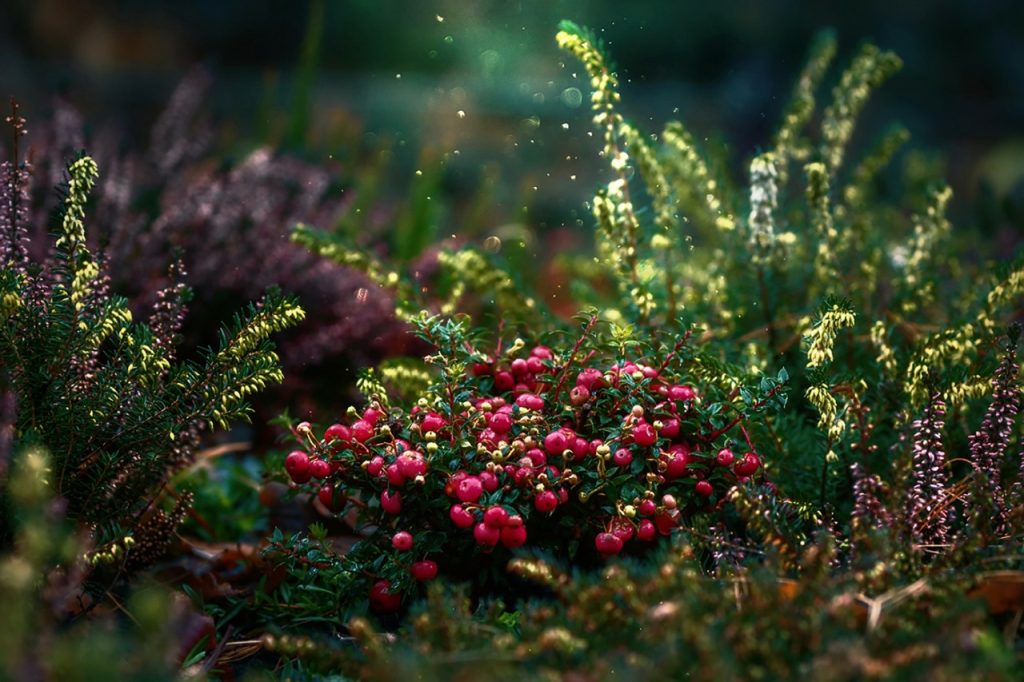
<point>624,452</point>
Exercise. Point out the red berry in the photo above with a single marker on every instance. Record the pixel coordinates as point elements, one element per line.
<point>372,415</point>
<point>579,396</point>
<point>382,599</point>
<point>391,502</point>
<point>537,457</point>
<point>530,401</point>
<point>725,457</point>
<point>460,517</point>
<point>469,489</point>
<point>327,498</point>
<point>666,522</point>
<point>496,517</point>
<point>402,541</point>
<point>519,367</point>
<point>504,381</point>
<point>411,464</point>
<point>646,530</point>
<point>318,468</point>
<point>362,430</point>
<point>424,570</point>
<point>669,428</point>
<point>485,535</point>
<point>375,465</point>
<point>488,480</point>
<point>644,434</point>
<point>337,432</point>
<point>622,528</point>
<point>542,352</point>
<point>432,422</point>
<point>480,369</point>
<point>608,544</point>
<point>535,365</point>
<point>297,466</point>
<point>748,465</point>
<point>677,465</point>
<point>500,422</point>
<point>556,443</point>
<point>622,457</point>
<point>545,501</point>
<point>580,447</point>
<point>681,392</point>
<point>513,536</point>
<point>704,488</point>
<point>647,507</point>
<point>590,378</point>
<point>394,475</point>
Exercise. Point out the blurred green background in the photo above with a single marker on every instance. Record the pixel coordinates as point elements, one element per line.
<point>474,84</point>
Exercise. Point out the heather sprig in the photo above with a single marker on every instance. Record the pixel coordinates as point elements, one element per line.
<point>102,393</point>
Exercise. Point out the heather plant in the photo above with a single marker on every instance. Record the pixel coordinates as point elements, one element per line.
<point>225,213</point>
<point>107,396</point>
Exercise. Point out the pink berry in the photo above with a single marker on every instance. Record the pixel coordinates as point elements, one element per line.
<point>646,530</point>
<point>394,475</point>
<point>555,443</point>
<point>319,469</point>
<point>519,367</point>
<point>530,401</point>
<point>669,428</point>
<point>500,422</point>
<point>542,352</point>
<point>504,381</point>
<point>432,422</point>
<point>362,430</point>
<point>382,599</point>
<point>496,517</point>
<point>485,535</point>
<point>644,434</point>
<point>337,432</point>
<point>681,392</point>
<point>372,415</point>
<point>647,507</point>
<point>375,465</point>
<point>402,541</point>
<point>460,517</point>
<point>546,501</point>
<point>579,396</point>
<point>748,465</point>
<point>535,365</point>
<point>424,570</point>
<point>725,457</point>
<point>608,544</point>
<point>411,464</point>
<point>622,528</point>
<point>622,457</point>
<point>469,489</point>
<point>580,447</point>
<point>391,502</point>
<point>590,378</point>
<point>513,536</point>
<point>488,480</point>
<point>537,457</point>
<point>297,466</point>
<point>327,498</point>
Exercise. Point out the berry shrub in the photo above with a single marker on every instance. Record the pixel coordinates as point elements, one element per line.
<point>585,451</point>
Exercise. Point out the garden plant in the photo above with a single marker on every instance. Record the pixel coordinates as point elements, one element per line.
<point>779,440</point>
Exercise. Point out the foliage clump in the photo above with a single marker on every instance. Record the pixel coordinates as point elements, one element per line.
<point>104,394</point>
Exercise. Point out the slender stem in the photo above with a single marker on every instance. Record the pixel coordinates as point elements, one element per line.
<point>766,309</point>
